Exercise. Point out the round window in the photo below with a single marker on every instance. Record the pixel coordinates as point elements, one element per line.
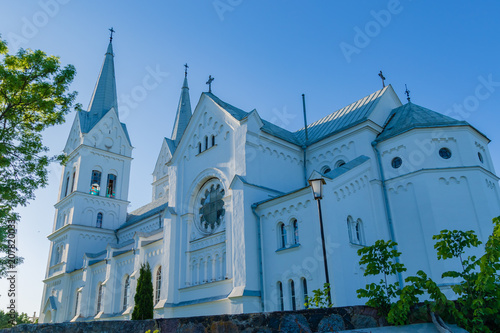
<point>480,157</point>
<point>396,162</point>
<point>445,153</point>
<point>211,207</point>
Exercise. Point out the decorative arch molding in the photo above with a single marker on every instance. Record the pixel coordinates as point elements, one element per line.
<point>351,188</point>
<point>198,183</point>
<point>331,153</point>
<point>287,210</point>
<point>273,152</point>
<point>399,188</point>
<point>393,149</point>
<point>452,180</point>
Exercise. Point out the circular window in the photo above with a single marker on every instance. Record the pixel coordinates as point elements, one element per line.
<point>396,162</point>
<point>211,210</point>
<point>326,169</point>
<point>445,153</point>
<point>480,157</point>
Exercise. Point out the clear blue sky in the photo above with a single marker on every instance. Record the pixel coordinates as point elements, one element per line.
<point>263,55</point>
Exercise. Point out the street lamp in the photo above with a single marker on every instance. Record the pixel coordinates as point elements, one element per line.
<point>317,189</point>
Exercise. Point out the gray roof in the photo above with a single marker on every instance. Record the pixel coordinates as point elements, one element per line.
<point>342,119</point>
<point>410,116</point>
<point>268,127</point>
<point>183,113</point>
<point>337,172</point>
<point>145,211</point>
<point>104,97</point>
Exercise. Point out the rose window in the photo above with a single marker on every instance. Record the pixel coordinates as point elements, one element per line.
<point>212,209</point>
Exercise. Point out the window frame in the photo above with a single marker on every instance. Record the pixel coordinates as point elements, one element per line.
<point>157,285</point>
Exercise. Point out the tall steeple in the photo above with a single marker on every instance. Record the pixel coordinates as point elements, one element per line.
<point>183,112</point>
<point>104,96</point>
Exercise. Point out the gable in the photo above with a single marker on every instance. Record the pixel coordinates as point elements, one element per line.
<point>74,137</point>
<point>109,134</point>
<point>161,168</point>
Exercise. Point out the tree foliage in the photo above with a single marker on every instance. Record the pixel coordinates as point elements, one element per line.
<point>320,298</point>
<point>380,258</point>
<point>33,96</point>
<point>477,308</point>
<point>143,308</point>
<point>8,319</point>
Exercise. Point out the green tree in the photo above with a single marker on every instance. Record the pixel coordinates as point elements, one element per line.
<point>143,308</point>
<point>33,96</point>
<point>319,299</point>
<point>10,320</point>
<point>380,258</point>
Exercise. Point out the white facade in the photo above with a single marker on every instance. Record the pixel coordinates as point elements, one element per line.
<point>232,226</point>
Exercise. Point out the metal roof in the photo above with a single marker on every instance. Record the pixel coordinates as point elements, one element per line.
<point>183,113</point>
<point>342,119</point>
<point>145,211</point>
<point>410,116</point>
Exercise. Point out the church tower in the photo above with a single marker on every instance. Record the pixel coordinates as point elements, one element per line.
<point>94,185</point>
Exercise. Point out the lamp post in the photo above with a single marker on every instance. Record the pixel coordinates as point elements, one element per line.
<point>317,189</point>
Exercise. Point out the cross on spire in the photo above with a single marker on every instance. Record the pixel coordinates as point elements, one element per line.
<point>111,31</point>
<point>209,82</point>
<point>186,70</point>
<point>383,79</point>
<point>407,92</point>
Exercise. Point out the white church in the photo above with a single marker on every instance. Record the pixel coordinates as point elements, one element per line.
<point>233,226</point>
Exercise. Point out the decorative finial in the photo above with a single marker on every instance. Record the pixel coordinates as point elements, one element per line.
<point>186,70</point>
<point>407,92</point>
<point>111,34</point>
<point>383,78</point>
<point>209,82</point>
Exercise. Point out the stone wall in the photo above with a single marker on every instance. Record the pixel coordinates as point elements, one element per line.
<point>304,321</point>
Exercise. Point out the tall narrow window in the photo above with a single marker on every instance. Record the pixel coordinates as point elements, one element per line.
<point>280,300</point>
<point>99,299</point>
<point>199,147</point>
<point>67,186</point>
<point>282,235</point>
<point>213,140</point>
<point>77,303</point>
<point>206,142</point>
<point>95,182</point>
<point>295,225</point>
<point>110,189</point>
<point>58,254</point>
<point>158,285</point>
<point>98,222</point>
<point>304,290</point>
<point>292,293</point>
<point>73,182</point>
<point>126,293</point>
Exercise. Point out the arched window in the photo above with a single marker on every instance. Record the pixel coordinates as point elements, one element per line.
<point>339,163</point>
<point>281,235</point>
<point>95,182</point>
<point>158,285</point>
<point>99,298</point>
<point>295,225</point>
<point>325,169</point>
<point>213,140</point>
<point>73,182</point>
<point>199,147</point>
<point>58,254</point>
<point>77,303</point>
<point>355,231</point>
<point>126,293</point>
<point>206,142</point>
<point>110,189</point>
<point>292,293</point>
<point>67,186</point>
<point>280,299</point>
<point>304,291</point>
<point>98,223</point>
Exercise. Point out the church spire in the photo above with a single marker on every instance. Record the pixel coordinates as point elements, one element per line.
<point>183,112</point>
<point>104,97</point>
